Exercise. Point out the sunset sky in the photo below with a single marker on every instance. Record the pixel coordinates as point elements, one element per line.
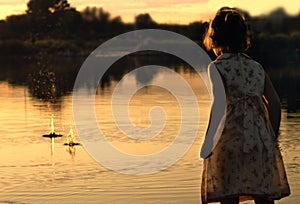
<point>164,11</point>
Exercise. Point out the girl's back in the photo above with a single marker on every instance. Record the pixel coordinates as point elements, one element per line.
<point>241,75</point>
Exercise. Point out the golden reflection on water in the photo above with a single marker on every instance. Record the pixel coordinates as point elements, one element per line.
<point>71,150</point>
<point>33,169</point>
<point>139,107</point>
<point>52,149</point>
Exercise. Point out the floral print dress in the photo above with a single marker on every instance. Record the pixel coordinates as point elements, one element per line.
<point>246,161</point>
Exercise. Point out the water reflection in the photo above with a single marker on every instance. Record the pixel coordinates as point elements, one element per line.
<point>50,78</point>
<point>71,150</point>
<point>35,170</point>
<point>42,84</point>
<point>70,136</point>
<point>144,76</point>
<point>47,78</point>
<point>52,133</point>
<point>71,143</point>
<point>52,150</point>
<point>28,173</point>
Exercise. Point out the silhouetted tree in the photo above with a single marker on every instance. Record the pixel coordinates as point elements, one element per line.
<point>46,16</point>
<point>196,30</point>
<point>144,21</point>
<point>60,5</point>
<point>96,21</point>
<point>278,13</point>
<point>44,7</point>
<point>96,14</point>
<point>53,25</point>
<point>66,24</point>
<point>99,24</point>
<point>16,27</point>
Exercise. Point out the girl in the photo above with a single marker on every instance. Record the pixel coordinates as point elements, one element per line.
<point>245,164</point>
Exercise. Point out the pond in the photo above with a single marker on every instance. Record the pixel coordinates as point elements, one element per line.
<point>34,169</point>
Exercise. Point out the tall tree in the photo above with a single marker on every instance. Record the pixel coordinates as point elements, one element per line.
<point>144,21</point>
<point>44,7</point>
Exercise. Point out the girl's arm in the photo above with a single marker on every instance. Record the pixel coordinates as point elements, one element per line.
<point>217,114</point>
<point>273,104</point>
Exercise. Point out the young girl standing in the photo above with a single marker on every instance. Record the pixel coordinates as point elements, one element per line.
<point>245,163</point>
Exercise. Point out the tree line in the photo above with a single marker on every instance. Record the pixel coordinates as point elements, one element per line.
<point>55,27</point>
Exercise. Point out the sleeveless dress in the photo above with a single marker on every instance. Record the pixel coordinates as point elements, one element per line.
<point>246,161</point>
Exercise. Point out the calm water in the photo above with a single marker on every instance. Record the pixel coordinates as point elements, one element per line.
<point>34,170</point>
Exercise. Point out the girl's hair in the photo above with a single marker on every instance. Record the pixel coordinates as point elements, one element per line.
<point>227,32</point>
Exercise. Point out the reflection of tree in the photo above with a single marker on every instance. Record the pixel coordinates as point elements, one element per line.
<point>139,59</point>
<point>43,85</point>
<point>144,76</point>
<point>49,79</point>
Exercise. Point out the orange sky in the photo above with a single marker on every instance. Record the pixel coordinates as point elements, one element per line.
<point>164,11</point>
